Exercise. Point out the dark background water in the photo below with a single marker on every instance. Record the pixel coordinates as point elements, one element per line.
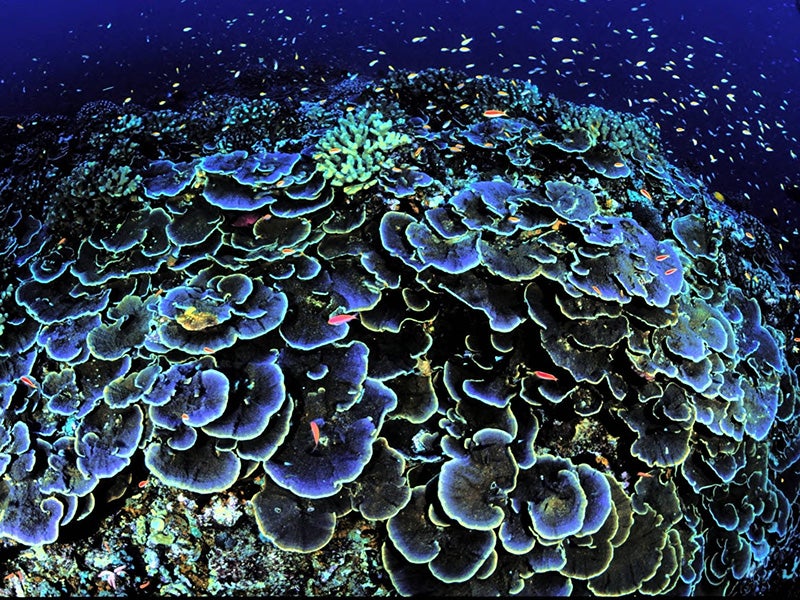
<point>720,77</point>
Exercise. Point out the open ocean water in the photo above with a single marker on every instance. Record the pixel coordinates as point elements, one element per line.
<point>718,80</point>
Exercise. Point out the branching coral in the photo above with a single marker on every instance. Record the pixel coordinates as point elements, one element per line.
<point>357,149</point>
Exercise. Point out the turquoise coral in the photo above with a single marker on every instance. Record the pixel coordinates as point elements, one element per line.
<point>357,149</point>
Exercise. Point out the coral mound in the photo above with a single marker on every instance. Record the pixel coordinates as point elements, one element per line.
<point>525,344</point>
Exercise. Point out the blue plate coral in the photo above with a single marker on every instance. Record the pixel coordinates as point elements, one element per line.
<point>501,325</point>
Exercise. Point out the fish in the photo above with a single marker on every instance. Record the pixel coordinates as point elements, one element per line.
<point>315,425</point>
<point>340,319</point>
<point>28,381</point>
<point>661,257</point>
<point>670,271</point>
<point>545,376</point>
<point>246,220</point>
<point>492,113</point>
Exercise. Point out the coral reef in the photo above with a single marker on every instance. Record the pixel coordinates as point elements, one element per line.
<point>502,334</point>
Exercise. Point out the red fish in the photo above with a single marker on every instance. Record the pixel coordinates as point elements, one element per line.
<point>661,257</point>
<point>670,271</point>
<point>246,220</point>
<point>28,381</point>
<point>546,376</point>
<point>492,113</point>
<point>339,319</point>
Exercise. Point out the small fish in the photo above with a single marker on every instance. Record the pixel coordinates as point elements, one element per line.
<point>661,257</point>
<point>246,220</point>
<point>28,381</point>
<point>670,271</point>
<point>546,376</point>
<point>645,193</point>
<point>315,424</point>
<point>492,113</point>
<point>340,319</point>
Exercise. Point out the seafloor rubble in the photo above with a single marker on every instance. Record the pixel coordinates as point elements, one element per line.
<point>436,334</point>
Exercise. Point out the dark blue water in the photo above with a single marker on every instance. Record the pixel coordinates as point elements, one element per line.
<point>720,77</point>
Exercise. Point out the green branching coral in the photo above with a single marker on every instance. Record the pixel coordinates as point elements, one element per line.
<point>358,148</point>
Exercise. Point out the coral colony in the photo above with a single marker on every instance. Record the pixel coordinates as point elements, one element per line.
<point>500,325</point>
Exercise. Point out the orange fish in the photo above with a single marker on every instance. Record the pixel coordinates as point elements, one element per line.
<point>315,430</point>
<point>670,271</point>
<point>661,257</point>
<point>492,113</point>
<point>339,319</point>
<point>645,193</point>
<point>546,376</point>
